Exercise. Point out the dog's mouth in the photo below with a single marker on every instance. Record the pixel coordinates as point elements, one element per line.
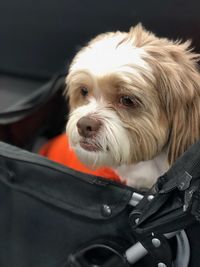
<point>90,146</point>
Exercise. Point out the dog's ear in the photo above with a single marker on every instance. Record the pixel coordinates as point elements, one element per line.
<point>178,85</point>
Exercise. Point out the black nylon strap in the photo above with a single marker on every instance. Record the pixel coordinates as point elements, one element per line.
<point>158,248</point>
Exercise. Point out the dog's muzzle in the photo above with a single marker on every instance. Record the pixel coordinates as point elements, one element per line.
<point>88,127</point>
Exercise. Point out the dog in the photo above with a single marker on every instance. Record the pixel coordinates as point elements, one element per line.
<point>134,103</point>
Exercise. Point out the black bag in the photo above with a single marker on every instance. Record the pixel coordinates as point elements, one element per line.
<point>18,100</point>
<point>52,216</point>
<point>49,211</point>
<point>31,103</point>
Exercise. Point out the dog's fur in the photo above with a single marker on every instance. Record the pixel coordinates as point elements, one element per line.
<point>160,78</point>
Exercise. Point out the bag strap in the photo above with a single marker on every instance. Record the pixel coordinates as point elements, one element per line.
<point>173,202</point>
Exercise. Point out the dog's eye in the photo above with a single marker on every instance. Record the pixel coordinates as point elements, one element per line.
<point>84,91</point>
<point>128,101</point>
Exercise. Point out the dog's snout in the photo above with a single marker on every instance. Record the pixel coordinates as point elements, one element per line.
<point>88,127</point>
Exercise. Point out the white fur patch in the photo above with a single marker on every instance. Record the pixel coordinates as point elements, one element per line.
<point>106,56</point>
<point>145,173</point>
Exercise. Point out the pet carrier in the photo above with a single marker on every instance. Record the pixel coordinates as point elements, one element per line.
<point>52,216</point>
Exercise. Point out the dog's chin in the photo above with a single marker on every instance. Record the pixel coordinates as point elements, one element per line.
<point>90,146</point>
<point>93,156</point>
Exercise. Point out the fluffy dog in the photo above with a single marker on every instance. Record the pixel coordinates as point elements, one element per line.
<point>135,103</point>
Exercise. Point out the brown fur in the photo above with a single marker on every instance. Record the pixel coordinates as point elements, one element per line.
<point>178,85</point>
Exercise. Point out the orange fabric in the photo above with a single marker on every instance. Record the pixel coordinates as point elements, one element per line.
<point>58,150</point>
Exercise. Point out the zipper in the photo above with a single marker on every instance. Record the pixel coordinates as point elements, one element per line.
<point>12,152</point>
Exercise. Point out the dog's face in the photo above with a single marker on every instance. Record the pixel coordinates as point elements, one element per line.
<point>130,95</point>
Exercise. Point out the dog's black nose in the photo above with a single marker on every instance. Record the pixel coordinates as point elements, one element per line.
<point>88,127</point>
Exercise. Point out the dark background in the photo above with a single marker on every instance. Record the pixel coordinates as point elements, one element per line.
<point>38,38</point>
